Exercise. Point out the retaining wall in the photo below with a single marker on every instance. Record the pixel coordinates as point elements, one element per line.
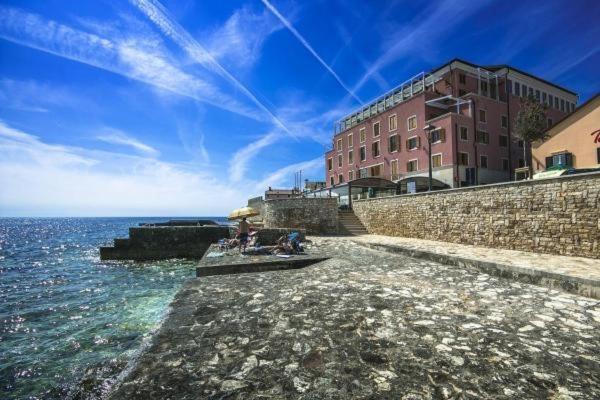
<point>557,216</point>
<point>316,215</point>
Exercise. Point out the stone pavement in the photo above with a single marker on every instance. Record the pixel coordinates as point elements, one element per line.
<point>368,324</point>
<point>573,274</point>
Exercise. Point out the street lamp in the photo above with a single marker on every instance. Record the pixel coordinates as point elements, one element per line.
<point>428,130</point>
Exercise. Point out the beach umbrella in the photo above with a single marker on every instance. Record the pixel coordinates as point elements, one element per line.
<point>243,212</point>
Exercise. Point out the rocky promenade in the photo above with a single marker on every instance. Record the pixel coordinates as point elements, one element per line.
<point>370,325</point>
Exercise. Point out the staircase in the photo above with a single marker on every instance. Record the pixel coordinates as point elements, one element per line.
<point>349,224</point>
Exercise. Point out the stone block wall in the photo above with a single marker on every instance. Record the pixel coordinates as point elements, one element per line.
<point>557,216</point>
<point>316,215</point>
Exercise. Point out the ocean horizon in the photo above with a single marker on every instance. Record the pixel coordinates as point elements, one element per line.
<point>70,322</point>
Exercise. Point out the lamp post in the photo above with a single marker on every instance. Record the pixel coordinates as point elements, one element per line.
<point>428,130</point>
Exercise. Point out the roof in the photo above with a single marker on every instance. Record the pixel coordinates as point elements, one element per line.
<point>554,129</point>
<point>501,66</point>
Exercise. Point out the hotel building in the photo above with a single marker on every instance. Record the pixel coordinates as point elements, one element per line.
<point>470,111</point>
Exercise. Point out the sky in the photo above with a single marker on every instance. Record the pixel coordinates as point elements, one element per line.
<point>188,108</point>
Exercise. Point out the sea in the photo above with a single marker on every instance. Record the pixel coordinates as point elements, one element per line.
<point>69,322</point>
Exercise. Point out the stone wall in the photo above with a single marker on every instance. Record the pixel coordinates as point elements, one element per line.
<point>316,215</point>
<point>557,216</point>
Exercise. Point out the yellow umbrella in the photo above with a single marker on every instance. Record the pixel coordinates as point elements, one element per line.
<point>242,212</point>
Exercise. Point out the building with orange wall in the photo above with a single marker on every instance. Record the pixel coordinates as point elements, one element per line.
<point>573,141</point>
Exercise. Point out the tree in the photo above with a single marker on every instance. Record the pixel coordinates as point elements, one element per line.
<point>531,122</point>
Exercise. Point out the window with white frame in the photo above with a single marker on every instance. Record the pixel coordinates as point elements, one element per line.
<point>331,181</point>
<point>412,165</point>
<point>464,133</point>
<point>362,173</point>
<point>363,153</point>
<point>393,144</point>
<point>363,135</point>
<point>504,121</point>
<point>394,169</point>
<point>376,130</point>
<point>340,160</point>
<point>463,158</point>
<point>517,89</point>
<point>412,143</point>
<point>340,178</point>
<point>482,116</point>
<point>411,123</point>
<point>375,150</point>
<point>436,160</point>
<point>339,144</point>
<point>438,135</point>
<point>503,141</point>
<point>350,175</point>
<point>483,137</point>
<point>329,164</point>
<point>393,122</point>
<point>375,170</point>
<point>350,157</point>
<point>505,164</point>
<point>351,140</point>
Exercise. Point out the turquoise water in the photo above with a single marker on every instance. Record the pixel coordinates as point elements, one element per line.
<point>68,321</point>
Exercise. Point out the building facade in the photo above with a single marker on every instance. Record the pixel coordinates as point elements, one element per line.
<point>470,111</point>
<point>572,142</point>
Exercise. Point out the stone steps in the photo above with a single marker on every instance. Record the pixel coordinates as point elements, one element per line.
<point>349,224</point>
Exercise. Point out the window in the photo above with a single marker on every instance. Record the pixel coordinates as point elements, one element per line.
<point>551,100</point>
<point>329,164</point>
<point>531,91</point>
<point>340,178</point>
<point>351,140</point>
<point>350,175</point>
<point>562,105</point>
<point>504,121</point>
<point>521,163</point>
<point>544,97</point>
<point>412,165</point>
<point>375,170</point>
<point>394,169</point>
<point>376,129</point>
<point>483,137</point>
<point>412,143</point>
<point>520,143</point>
<point>362,135</point>
<point>463,158</point>
<point>572,107</point>
<point>461,92</point>
<point>556,103</point>
<point>411,122</point>
<point>363,153</point>
<point>438,135</point>
<point>331,181</point>
<point>340,160</point>
<point>549,123</point>
<point>564,159</point>
<point>484,87</point>
<point>509,87</point>
<point>537,95</point>
<point>503,141</point>
<point>524,92</point>
<point>339,144</point>
<point>436,160</point>
<point>464,133</point>
<point>393,144</point>
<point>517,89</point>
<point>482,116</point>
<point>362,173</point>
<point>350,157</point>
<point>483,161</point>
<point>393,122</point>
<point>375,149</point>
<point>505,164</point>
<point>462,78</point>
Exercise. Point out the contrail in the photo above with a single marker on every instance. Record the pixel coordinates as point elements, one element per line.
<point>159,15</point>
<point>308,47</point>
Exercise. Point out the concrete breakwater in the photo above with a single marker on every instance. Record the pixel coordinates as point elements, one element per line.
<point>188,241</point>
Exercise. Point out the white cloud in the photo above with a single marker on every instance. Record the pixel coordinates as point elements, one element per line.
<point>128,54</point>
<point>283,175</point>
<point>34,96</point>
<point>310,49</point>
<point>42,179</point>
<point>114,136</point>
<point>239,162</point>
<point>239,41</point>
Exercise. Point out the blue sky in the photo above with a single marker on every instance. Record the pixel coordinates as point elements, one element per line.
<point>190,107</point>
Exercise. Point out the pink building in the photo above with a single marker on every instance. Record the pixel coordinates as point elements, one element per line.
<point>471,110</point>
